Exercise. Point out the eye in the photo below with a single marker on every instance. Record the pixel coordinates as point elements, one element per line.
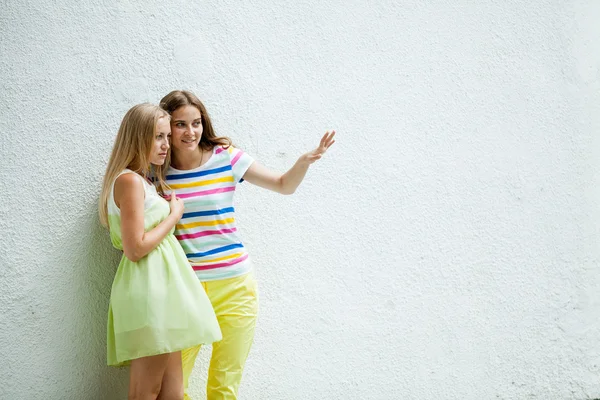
<point>179,125</point>
<point>196,124</point>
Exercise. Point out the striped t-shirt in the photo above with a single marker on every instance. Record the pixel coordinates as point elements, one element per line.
<point>207,230</point>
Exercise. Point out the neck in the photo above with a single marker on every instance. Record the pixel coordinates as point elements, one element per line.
<point>187,160</point>
<point>138,170</point>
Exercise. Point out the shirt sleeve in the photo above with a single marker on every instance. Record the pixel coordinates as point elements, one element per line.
<point>240,162</point>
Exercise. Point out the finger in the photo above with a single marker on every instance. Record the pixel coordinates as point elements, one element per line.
<point>323,139</point>
<point>332,142</point>
<point>330,137</point>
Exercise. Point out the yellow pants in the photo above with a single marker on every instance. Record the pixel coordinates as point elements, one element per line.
<point>235,302</point>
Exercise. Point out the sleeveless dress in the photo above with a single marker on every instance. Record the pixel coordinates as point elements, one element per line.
<point>157,305</point>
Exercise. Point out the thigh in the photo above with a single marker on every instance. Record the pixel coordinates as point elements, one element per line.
<point>230,354</point>
<point>236,306</point>
<point>146,375</point>
<point>238,335</point>
<point>172,382</point>
<point>234,297</point>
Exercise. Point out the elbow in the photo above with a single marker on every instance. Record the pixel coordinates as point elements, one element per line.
<point>134,254</point>
<point>285,189</point>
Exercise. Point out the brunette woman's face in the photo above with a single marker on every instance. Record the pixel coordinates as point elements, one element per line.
<point>186,129</point>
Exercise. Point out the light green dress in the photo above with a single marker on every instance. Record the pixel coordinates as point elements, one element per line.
<point>157,305</point>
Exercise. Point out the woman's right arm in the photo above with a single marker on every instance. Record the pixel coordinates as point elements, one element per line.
<point>129,197</point>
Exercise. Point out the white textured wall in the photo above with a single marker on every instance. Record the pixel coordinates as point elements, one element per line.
<point>447,247</point>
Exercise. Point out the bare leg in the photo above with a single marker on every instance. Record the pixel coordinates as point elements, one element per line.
<point>172,383</point>
<point>145,377</point>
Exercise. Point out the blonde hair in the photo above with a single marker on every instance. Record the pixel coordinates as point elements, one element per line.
<point>132,150</point>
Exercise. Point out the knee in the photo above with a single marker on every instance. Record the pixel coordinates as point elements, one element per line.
<point>146,391</point>
<point>172,394</point>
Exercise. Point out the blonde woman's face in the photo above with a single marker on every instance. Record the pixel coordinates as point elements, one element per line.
<point>186,127</point>
<point>160,146</point>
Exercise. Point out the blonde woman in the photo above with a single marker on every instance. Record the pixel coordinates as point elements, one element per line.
<point>157,307</point>
<point>205,171</point>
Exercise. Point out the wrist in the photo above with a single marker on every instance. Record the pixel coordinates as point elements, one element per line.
<point>174,216</point>
<point>303,160</point>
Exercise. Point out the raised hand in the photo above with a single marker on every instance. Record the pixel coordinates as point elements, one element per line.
<point>316,154</point>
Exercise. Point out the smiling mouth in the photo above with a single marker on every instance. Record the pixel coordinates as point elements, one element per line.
<point>189,141</point>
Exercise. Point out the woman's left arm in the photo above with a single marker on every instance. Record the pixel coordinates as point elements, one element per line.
<point>287,183</point>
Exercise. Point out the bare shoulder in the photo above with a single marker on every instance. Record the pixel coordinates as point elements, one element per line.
<point>129,181</point>
<point>127,186</point>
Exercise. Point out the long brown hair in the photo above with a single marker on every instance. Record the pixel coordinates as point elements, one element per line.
<point>132,150</point>
<point>181,98</point>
